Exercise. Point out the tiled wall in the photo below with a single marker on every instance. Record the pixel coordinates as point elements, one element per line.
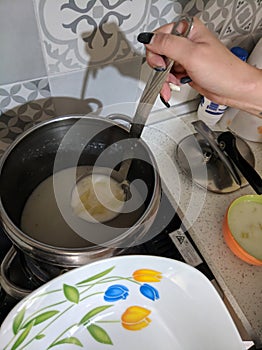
<point>76,56</point>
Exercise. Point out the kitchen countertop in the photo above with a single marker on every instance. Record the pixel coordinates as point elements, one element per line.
<point>202,213</point>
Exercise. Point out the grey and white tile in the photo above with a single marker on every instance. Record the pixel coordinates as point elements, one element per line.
<point>78,34</point>
<point>214,13</point>
<point>22,106</point>
<point>163,12</point>
<point>243,25</point>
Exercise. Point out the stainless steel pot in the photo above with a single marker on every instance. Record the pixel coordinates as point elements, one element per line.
<point>33,157</point>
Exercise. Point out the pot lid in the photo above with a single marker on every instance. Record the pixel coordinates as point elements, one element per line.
<point>203,165</point>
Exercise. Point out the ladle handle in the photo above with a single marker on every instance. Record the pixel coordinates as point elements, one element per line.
<point>145,105</point>
<point>155,83</point>
<point>147,100</point>
<point>227,142</point>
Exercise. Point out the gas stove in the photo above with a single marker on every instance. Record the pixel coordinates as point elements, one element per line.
<point>172,241</point>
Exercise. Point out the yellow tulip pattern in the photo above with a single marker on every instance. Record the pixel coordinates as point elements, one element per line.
<point>146,275</point>
<point>135,318</point>
<point>117,288</point>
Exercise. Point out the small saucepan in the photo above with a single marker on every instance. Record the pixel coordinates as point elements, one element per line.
<point>70,142</point>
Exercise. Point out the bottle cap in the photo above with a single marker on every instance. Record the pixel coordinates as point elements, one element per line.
<point>240,52</point>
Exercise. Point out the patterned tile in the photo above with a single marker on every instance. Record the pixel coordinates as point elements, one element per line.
<point>21,106</point>
<point>80,33</point>
<point>215,13</point>
<point>13,94</point>
<point>163,12</point>
<point>212,12</point>
<point>243,24</point>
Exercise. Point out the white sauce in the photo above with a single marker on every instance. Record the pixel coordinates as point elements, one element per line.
<point>49,218</point>
<point>245,222</point>
<point>98,197</point>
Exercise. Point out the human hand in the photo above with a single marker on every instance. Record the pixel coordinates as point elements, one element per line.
<point>215,72</point>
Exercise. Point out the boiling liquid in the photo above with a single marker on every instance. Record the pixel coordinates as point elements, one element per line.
<point>49,218</point>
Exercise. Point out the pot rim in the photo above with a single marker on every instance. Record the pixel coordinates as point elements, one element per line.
<point>26,242</point>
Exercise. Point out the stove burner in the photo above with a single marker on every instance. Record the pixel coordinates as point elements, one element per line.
<point>15,277</point>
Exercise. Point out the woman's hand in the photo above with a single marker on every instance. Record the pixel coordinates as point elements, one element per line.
<point>215,72</point>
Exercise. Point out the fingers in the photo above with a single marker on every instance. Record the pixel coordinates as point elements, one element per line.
<point>175,47</point>
<point>165,93</point>
<point>166,89</point>
<point>161,44</point>
<point>180,49</point>
<point>155,61</point>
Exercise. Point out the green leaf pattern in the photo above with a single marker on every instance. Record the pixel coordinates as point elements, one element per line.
<point>18,320</point>
<point>69,340</point>
<point>22,336</point>
<point>97,276</point>
<point>99,334</point>
<point>41,318</point>
<point>40,336</point>
<point>93,312</point>
<point>71,293</point>
<point>24,323</point>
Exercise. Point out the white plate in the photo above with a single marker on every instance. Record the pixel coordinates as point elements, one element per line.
<point>130,302</point>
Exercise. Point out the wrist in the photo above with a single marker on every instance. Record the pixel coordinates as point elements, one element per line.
<point>249,96</point>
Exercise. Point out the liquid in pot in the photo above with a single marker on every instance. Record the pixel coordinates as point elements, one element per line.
<point>53,222</point>
<point>98,197</point>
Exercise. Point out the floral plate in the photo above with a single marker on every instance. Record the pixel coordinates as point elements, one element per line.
<point>129,302</point>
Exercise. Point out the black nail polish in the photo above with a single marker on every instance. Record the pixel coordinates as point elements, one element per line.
<point>145,37</point>
<point>159,69</point>
<point>185,80</point>
<point>165,103</point>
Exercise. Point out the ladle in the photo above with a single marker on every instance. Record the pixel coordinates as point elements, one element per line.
<point>114,201</point>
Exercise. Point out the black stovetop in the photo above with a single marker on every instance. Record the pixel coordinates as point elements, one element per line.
<point>172,241</point>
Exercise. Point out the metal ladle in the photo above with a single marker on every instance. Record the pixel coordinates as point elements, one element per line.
<point>147,100</point>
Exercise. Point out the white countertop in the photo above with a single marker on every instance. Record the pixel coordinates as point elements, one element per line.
<point>203,212</point>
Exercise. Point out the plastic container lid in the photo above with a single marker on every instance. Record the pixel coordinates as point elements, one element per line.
<point>240,52</point>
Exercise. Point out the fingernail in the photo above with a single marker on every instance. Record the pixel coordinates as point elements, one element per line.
<point>145,37</point>
<point>160,69</point>
<point>185,80</point>
<point>165,103</point>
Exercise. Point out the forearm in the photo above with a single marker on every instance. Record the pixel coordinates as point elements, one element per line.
<point>243,92</point>
<point>251,99</point>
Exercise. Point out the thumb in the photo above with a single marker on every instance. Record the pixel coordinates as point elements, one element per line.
<point>175,47</point>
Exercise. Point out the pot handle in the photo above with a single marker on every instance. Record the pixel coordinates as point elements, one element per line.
<point>122,117</point>
<point>227,142</point>
<point>8,286</point>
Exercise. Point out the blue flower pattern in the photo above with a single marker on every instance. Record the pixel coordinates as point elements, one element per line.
<point>149,292</point>
<point>120,292</point>
<point>116,292</point>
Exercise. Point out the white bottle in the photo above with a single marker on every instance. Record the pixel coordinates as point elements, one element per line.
<point>244,124</point>
<point>210,112</point>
